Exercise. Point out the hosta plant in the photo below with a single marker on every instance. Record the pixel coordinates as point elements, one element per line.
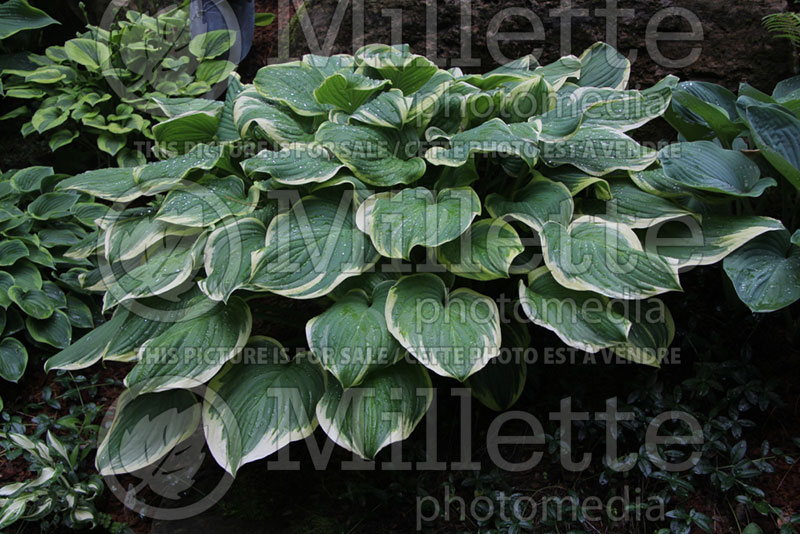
<point>41,302</point>
<point>407,222</point>
<point>106,85</point>
<point>763,133</point>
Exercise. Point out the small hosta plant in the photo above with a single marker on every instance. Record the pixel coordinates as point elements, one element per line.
<point>41,301</point>
<point>106,85</point>
<point>421,218</point>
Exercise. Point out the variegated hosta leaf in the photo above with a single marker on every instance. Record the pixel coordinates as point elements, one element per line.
<point>129,233</point>
<point>454,333</point>
<point>598,150</point>
<point>705,166</point>
<point>176,134</point>
<point>528,98</point>
<point>576,181</point>
<point>603,66</point>
<point>687,243</point>
<point>347,90</point>
<point>190,352</point>
<point>164,175</point>
<point>501,383</point>
<point>651,334</point>
<point>256,118</point>
<point>628,110</point>
<point>295,164</point>
<point>383,409</point>
<point>379,156</point>
<point>90,348</point>
<point>389,110</point>
<point>581,319</point>
<point>484,252</point>
<point>351,338</point>
<point>30,179</point>
<point>207,201</point>
<point>407,72</point>
<point>493,136</point>
<point>398,222</point>
<point>311,248</point>
<point>293,85</point>
<point>639,209</point>
<point>595,255</point>
<point>115,184</point>
<point>766,272</point>
<point>253,409</point>
<point>146,427</point>
<point>539,202</point>
<point>227,256</point>
<point>656,182</point>
<point>52,205</point>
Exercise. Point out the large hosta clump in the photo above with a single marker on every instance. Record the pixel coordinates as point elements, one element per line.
<point>405,200</point>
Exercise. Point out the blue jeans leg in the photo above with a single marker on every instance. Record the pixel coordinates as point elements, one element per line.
<point>237,15</point>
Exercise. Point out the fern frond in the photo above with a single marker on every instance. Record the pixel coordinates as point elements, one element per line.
<point>784,26</point>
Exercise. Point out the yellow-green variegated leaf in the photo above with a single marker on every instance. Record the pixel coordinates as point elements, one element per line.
<point>295,164</point>
<point>766,272</point>
<point>598,150</point>
<point>501,383</point>
<point>312,248</point>
<point>256,118</point>
<point>407,72</point>
<point>687,243</point>
<point>493,136</point>
<point>651,334</point>
<point>454,333</point>
<point>176,134</point>
<point>253,409</point>
<point>347,90</point>
<point>398,222</point>
<point>146,427</point>
<point>351,338</point>
<point>639,209</point>
<point>539,202</point>
<point>378,156</point>
<point>596,255</point>
<point>212,44</point>
<point>90,53</point>
<point>293,85</point>
<point>131,232</point>
<point>603,66</point>
<point>207,201</point>
<point>34,302</point>
<point>389,110</point>
<point>19,15</point>
<point>90,348</point>
<point>484,252</point>
<point>581,319</point>
<point>383,409</point>
<point>227,256</point>
<point>706,166</point>
<point>190,352</point>
<point>529,98</point>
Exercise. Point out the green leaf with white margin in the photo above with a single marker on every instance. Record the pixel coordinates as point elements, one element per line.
<point>581,319</point>
<point>383,409</point>
<point>705,166</point>
<point>131,232</point>
<point>146,427</point>
<point>293,85</point>
<point>52,205</point>
<point>227,256</point>
<point>397,222</point>
<point>11,250</point>
<point>347,90</point>
<point>19,15</point>
<point>255,117</point>
<point>312,248</point>
<point>32,301</point>
<point>558,72</point>
<point>295,164</point>
<point>160,270</point>
<point>55,331</point>
<point>13,359</point>
<point>493,136</point>
<point>454,333</point>
<point>30,179</point>
<point>227,130</point>
<point>651,334</point>
<point>687,243</point>
<point>766,272</point>
<point>90,53</point>
<point>639,209</point>
<point>631,109</point>
<point>253,410</point>
<point>178,133</point>
<point>598,150</point>
<point>114,184</point>
<point>501,383</point>
<point>374,155</point>
<point>388,110</point>
<point>200,345</point>
<point>603,66</point>
<point>484,252</point>
<point>528,98</point>
<point>164,175</point>
<point>539,202</point>
<point>351,338</point>
<point>25,274</point>
<point>596,255</point>
<point>777,135</point>
<point>207,201</point>
<point>212,44</point>
<point>407,72</point>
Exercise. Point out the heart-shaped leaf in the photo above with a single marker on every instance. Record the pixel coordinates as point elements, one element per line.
<point>484,252</point>
<point>537,203</point>
<point>13,359</point>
